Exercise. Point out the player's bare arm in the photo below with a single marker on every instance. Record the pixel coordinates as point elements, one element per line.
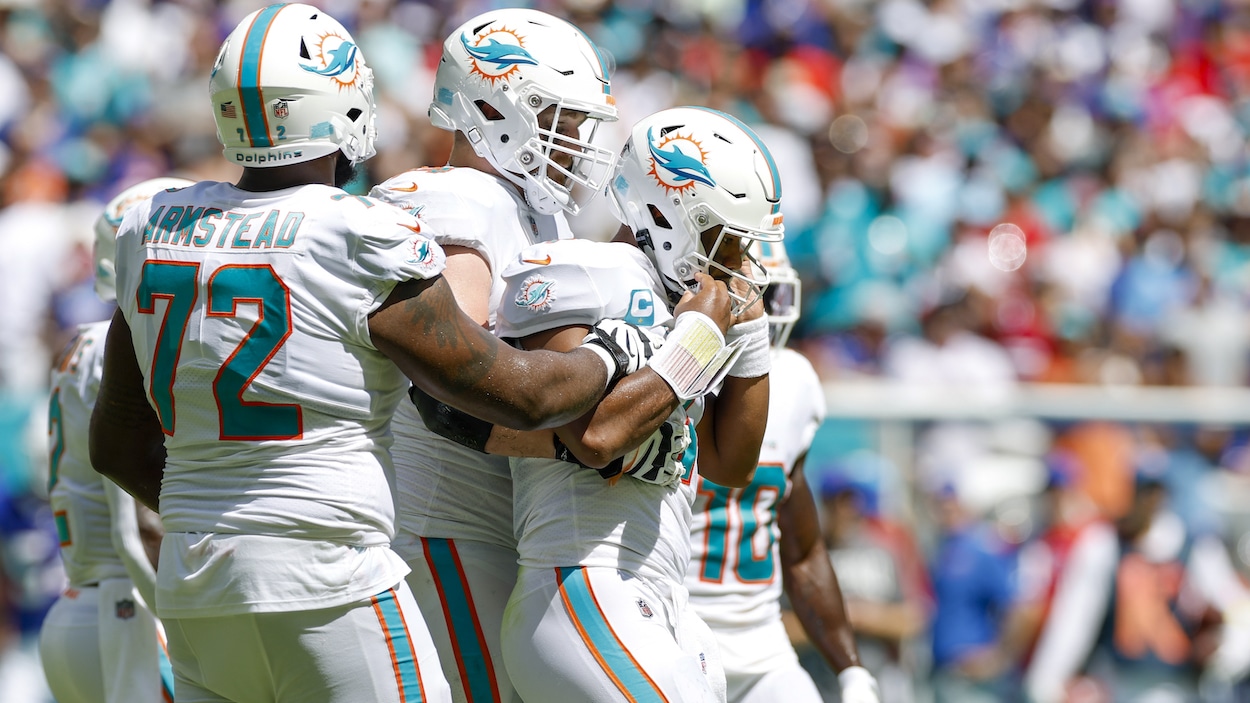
<point>631,412</point>
<point>808,577</point>
<point>469,275</point>
<point>732,429</point>
<point>446,354</point>
<point>126,440</point>
<point>151,532</point>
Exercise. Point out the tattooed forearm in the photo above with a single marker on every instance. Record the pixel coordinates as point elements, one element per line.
<point>434,315</point>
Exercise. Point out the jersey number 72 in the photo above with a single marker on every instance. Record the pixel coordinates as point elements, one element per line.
<point>227,287</point>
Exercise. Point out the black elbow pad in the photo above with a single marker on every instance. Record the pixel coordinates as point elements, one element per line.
<point>450,423</point>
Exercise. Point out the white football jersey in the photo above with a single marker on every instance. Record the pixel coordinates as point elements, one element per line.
<point>76,490</point>
<point>249,313</point>
<point>734,578</point>
<point>446,490</point>
<point>567,515</point>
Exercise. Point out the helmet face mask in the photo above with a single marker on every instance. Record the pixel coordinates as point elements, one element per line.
<point>502,73</point>
<point>691,181</point>
<point>290,85</point>
<point>783,299</point>
<point>105,249</point>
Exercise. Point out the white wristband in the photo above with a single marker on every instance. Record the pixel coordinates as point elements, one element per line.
<point>693,357</point>
<point>756,357</point>
<point>608,361</point>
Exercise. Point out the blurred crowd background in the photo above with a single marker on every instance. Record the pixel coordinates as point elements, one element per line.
<point>977,193</point>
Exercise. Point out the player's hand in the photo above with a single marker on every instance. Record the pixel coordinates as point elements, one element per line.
<point>858,686</point>
<point>755,310</point>
<point>628,345</point>
<point>658,460</point>
<point>712,299</point>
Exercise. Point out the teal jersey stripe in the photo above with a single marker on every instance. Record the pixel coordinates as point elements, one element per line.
<point>403,653</point>
<point>477,673</point>
<point>598,635</point>
<point>768,156</point>
<point>249,77</point>
<point>62,528</point>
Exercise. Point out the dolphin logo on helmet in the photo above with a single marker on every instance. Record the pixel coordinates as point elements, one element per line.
<point>683,171</point>
<point>502,55</point>
<point>342,60</point>
<point>290,85</point>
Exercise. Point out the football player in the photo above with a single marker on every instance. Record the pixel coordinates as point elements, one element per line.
<point>101,642</point>
<point>601,563</point>
<point>749,543</point>
<point>252,370</point>
<point>524,92</point>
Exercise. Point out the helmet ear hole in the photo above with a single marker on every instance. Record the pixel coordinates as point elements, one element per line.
<point>658,217</point>
<point>488,111</point>
<point>354,113</point>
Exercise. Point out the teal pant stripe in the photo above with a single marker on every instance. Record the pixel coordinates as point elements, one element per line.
<point>467,640</point>
<point>405,656</point>
<point>634,683</point>
<point>167,674</point>
<point>62,528</point>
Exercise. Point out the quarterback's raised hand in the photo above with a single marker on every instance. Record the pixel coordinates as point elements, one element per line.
<point>712,299</point>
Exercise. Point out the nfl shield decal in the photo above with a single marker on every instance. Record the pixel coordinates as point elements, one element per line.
<point>124,609</point>
<point>644,608</point>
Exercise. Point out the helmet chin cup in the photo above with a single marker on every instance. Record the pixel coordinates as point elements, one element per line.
<point>543,199</point>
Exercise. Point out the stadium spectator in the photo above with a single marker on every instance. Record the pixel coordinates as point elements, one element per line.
<point>887,591</point>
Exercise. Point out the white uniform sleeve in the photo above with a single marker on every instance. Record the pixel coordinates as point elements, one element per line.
<point>463,207</point>
<point>544,291</point>
<point>1076,614</point>
<point>452,204</point>
<point>391,245</point>
<point>388,247</point>
<point>124,529</point>
<point>793,379</point>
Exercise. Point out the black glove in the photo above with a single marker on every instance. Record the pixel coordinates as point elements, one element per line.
<point>628,345</point>
<point>450,423</point>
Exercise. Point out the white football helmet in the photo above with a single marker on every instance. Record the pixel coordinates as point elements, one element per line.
<point>290,85</point>
<point>685,171</point>
<point>105,249</point>
<point>782,299</point>
<point>498,71</point>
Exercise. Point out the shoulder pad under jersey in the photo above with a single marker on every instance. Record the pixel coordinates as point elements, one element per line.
<point>578,282</point>
<point>460,206</point>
